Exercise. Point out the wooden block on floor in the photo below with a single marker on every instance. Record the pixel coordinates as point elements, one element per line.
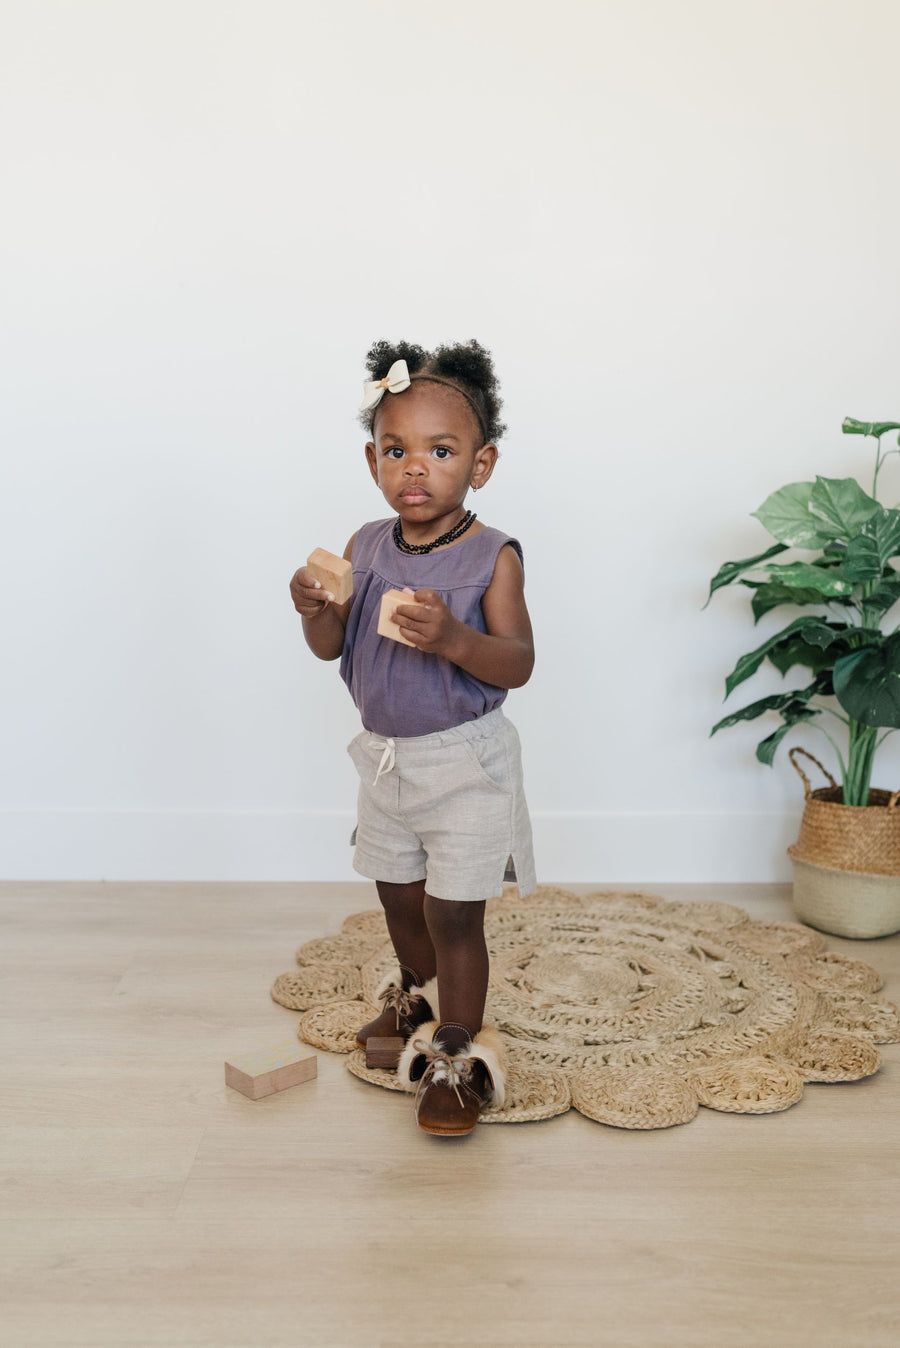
<point>384,1053</point>
<point>332,572</point>
<point>269,1070</point>
<point>387,628</point>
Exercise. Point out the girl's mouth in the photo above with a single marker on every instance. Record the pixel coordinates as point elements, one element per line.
<point>414,496</point>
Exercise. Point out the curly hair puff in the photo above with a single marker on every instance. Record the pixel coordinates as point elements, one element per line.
<point>467,366</point>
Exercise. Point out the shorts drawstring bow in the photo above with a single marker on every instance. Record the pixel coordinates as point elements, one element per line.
<point>387,757</point>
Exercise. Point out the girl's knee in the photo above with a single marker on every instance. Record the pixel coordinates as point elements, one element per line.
<point>392,895</point>
<point>449,920</point>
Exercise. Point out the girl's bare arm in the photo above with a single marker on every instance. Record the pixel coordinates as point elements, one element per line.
<point>504,655</point>
<point>323,620</point>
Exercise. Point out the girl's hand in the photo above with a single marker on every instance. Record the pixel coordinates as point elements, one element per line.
<point>432,628</point>
<point>309,598</point>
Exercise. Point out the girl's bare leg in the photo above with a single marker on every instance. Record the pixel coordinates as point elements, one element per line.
<point>404,912</point>
<point>457,931</point>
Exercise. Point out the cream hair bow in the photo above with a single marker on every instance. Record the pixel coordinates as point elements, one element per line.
<point>395,381</point>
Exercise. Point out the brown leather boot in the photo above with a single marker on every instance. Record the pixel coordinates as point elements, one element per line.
<point>405,1008</point>
<point>452,1088</point>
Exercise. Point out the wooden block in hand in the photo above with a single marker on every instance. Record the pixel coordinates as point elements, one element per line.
<point>271,1070</point>
<point>333,573</point>
<point>386,626</point>
<point>384,1053</point>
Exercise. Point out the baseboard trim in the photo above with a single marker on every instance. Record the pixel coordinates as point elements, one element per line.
<point>314,845</point>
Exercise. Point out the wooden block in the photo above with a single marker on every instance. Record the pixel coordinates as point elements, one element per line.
<point>387,628</point>
<point>271,1070</point>
<point>384,1052</point>
<point>332,572</point>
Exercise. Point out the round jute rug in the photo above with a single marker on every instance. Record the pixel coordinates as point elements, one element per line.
<point>632,1009</point>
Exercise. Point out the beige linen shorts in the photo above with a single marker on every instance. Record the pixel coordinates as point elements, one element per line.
<point>447,808</point>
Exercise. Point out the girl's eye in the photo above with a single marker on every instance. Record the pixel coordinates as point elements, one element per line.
<point>395,452</point>
<point>441,452</point>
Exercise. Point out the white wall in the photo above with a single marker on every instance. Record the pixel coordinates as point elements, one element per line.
<point>675,225</point>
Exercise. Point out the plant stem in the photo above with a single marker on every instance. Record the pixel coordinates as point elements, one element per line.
<point>845,720</point>
<point>878,462</point>
<point>858,777</point>
<point>864,738</point>
<point>840,756</point>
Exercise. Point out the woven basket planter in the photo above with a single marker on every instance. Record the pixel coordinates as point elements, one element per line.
<point>846,903</point>
<point>847,860</point>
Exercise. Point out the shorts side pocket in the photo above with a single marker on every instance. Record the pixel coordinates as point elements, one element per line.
<point>490,759</point>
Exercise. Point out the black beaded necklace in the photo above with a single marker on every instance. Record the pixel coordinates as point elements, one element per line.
<point>449,537</point>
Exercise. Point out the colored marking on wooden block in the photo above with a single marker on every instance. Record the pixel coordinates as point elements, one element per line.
<point>269,1070</point>
<point>332,572</point>
<point>384,1052</point>
<point>387,628</point>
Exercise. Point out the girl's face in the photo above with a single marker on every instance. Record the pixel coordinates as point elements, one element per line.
<point>426,454</point>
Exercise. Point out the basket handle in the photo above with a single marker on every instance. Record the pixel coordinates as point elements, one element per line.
<point>807,785</point>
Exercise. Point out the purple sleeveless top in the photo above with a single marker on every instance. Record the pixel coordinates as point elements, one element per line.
<point>400,690</point>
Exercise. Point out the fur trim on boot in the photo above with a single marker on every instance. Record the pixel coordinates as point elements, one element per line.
<point>421,1051</point>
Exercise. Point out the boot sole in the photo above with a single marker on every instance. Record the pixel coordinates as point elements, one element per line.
<point>447,1132</point>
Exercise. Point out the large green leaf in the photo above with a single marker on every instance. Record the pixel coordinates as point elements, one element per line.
<point>765,750</point>
<point>768,594</point>
<point>877,428</point>
<point>796,711</point>
<point>867,683</point>
<point>729,571</point>
<point>787,517</point>
<point>862,562</point>
<point>841,506</point>
<point>869,552</point>
<point>815,631</point>
<point>886,532</point>
<point>828,580</point>
<point>784,702</point>
<point>886,594</point>
<point>797,651</point>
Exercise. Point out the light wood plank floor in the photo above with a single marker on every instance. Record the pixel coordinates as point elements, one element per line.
<point>144,1203</point>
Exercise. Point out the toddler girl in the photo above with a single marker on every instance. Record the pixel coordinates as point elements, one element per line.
<point>441,810</point>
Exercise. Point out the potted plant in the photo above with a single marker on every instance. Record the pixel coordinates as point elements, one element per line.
<point>847,857</point>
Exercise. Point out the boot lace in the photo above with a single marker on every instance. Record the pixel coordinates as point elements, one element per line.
<point>443,1069</point>
<point>401,1002</point>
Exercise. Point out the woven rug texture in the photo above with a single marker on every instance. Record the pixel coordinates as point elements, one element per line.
<point>634,1010</point>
